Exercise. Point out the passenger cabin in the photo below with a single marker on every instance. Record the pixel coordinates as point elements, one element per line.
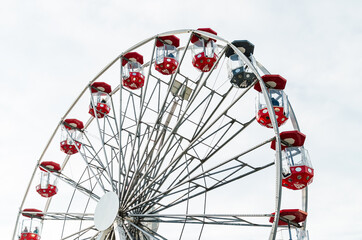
<point>167,54</point>
<point>204,50</point>
<point>100,99</point>
<point>31,225</point>
<point>132,71</point>
<point>275,85</point>
<point>298,172</point>
<point>72,136</point>
<point>297,168</point>
<point>47,187</point>
<point>239,74</point>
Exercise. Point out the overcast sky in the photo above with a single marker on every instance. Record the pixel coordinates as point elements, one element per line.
<point>51,49</point>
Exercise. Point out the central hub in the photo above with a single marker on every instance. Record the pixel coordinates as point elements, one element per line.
<point>106,211</point>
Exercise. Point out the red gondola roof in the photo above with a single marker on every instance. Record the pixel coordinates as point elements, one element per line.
<point>32,215</point>
<point>209,30</point>
<point>50,166</point>
<point>171,40</point>
<point>294,138</point>
<point>273,81</point>
<point>132,56</point>
<point>293,215</point>
<point>73,123</point>
<point>101,86</point>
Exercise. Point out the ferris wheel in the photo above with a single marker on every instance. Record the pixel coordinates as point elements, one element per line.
<point>182,136</point>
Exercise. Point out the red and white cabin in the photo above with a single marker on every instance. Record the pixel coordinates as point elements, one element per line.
<point>291,215</point>
<point>132,73</point>
<point>46,188</point>
<point>167,54</point>
<point>297,168</point>
<point>275,85</point>
<point>204,50</point>
<point>100,98</point>
<point>72,136</point>
<point>30,228</point>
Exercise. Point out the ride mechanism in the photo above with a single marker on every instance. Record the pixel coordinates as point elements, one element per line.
<point>164,135</point>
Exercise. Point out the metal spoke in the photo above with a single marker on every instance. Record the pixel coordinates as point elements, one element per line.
<point>83,231</point>
<point>215,219</point>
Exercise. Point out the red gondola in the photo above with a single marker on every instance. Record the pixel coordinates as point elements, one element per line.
<point>30,229</point>
<point>297,168</point>
<point>133,77</point>
<point>167,54</point>
<point>204,50</point>
<point>100,97</point>
<point>71,136</point>
<point>275,85</point>
<point>46,188</point>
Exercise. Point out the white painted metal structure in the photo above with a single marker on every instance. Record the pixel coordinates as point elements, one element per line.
<point>163,155</point>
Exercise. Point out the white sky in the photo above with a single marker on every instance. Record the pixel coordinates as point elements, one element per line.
<point>51,49</point>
